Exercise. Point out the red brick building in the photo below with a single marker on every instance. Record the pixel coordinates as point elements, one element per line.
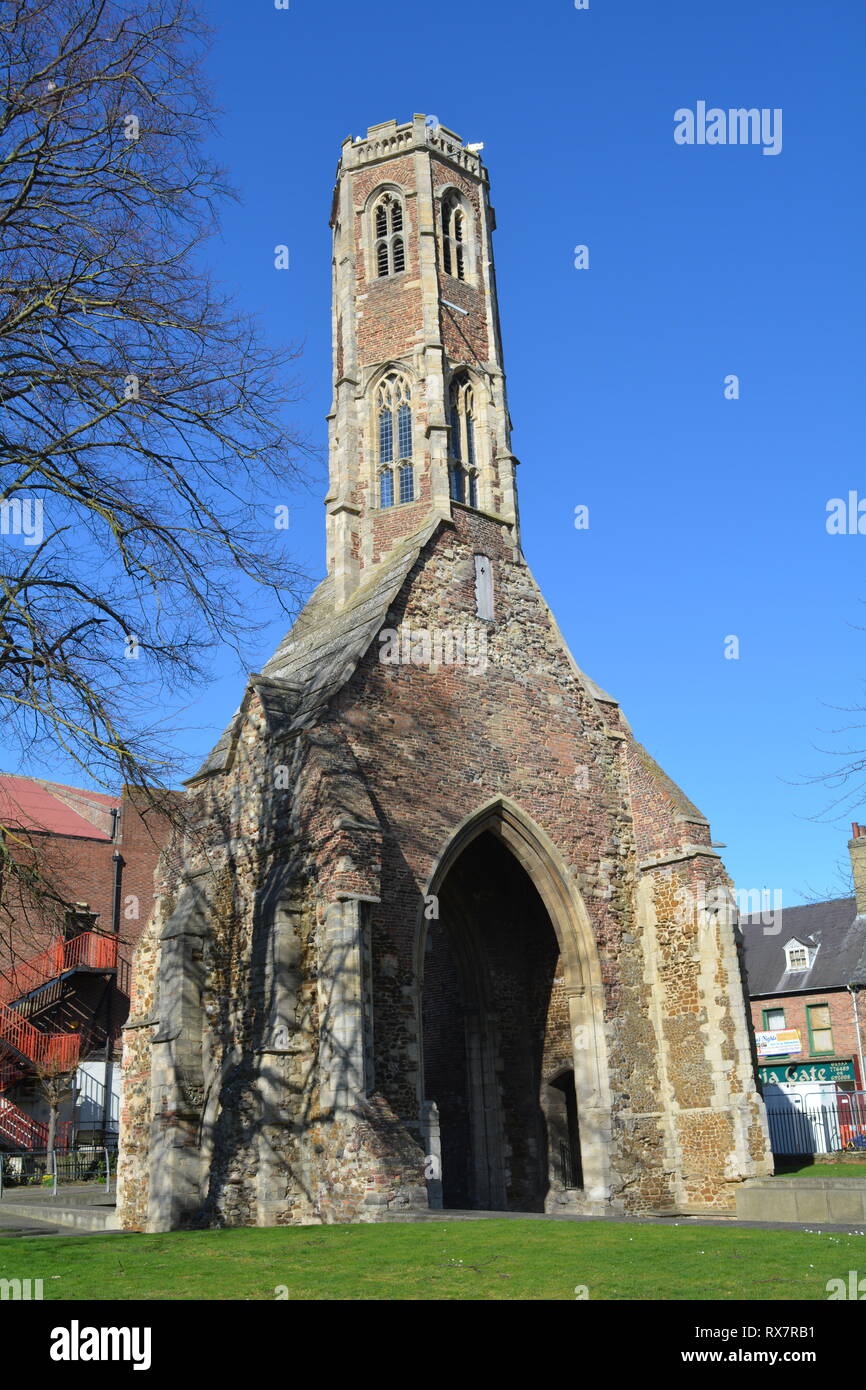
<point>806,972</point>
<point>65,949</point>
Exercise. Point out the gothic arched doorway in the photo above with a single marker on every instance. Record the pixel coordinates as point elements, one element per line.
<point>496,1029</point>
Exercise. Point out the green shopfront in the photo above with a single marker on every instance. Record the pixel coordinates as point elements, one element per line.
<point>841,1072</point>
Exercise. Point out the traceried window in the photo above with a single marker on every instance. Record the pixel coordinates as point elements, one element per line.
<point>394,423</point>
<point>453,237</point>
<point>389,245</point>
<point>462,462</point>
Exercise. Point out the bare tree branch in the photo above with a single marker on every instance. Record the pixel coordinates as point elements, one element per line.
<point>143,444</point>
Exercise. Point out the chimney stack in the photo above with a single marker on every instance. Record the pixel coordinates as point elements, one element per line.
<point>857,850</point>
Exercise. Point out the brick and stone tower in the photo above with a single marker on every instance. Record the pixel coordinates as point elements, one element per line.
<point>440,932</point>
<point>416,338</point>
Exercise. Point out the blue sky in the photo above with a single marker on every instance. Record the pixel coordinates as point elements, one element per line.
<point>707,516</point>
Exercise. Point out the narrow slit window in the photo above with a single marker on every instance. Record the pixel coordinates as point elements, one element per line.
<point>446,237</point>
<point>462,450</point>
<point>386,436</point>
<point>470,433</point>
<point>404,431</point>
<point>455,433</point>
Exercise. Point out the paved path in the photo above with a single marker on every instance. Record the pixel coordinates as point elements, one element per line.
<point>14,1224</point>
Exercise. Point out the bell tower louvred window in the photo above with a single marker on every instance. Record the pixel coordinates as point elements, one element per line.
<point>390,247</point>
<point>453,237</point>
<point>462,461</point>
<point>394,417</point>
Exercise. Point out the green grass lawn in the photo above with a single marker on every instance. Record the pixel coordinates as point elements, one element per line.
<point>488,1260</point>
<point>822,1170</point>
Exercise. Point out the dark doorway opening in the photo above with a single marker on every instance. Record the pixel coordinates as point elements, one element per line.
<point>563,1130</point>
<point>495,1023</point>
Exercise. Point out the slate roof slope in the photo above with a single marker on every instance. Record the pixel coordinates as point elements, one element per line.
<point>323,647</point>
<point>834,927</point>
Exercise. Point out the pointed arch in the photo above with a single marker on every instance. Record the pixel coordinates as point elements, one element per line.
<point>463,464</point>
<point>391,396</point>
<point>385,224</point>
<point>544,865</point>
<point>537,854</point>
<point>456,233</point>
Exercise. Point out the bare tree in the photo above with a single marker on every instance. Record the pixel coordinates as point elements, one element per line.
<point>138,407</point>
<point>845,776</point>
<point>56,1082</point>
<point>143,445</point>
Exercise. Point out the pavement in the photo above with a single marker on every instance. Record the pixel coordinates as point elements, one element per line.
<point>87,1209</point>
<point>78,1209</point>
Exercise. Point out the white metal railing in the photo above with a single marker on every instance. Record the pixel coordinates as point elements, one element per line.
<point>817,1122</point>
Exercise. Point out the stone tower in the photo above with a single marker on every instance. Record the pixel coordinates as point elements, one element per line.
<point>416,330</point>
<point>440,931</point>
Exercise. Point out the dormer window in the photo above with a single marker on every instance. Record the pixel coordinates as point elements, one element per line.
<point>389,246</point>
<point>798,957</point>
<point>394,424</point>
<point>463,461</point>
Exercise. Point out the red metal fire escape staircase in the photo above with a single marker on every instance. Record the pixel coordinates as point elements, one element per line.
<point>25,1049</point>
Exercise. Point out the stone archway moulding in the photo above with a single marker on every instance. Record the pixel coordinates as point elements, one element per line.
<point>539,857</point>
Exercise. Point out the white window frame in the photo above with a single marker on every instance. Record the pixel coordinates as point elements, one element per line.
<point>793,948</point>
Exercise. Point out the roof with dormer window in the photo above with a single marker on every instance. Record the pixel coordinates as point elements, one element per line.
<point>831,931</point>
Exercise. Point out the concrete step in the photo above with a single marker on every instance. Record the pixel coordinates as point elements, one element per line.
<point>88,1216</point>
<point>820,1200</point>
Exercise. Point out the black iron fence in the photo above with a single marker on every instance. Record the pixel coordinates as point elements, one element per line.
<point>38,1168</point>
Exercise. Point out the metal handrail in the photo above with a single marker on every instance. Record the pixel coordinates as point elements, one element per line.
<point>59,1050</point>
<point>10,1075</point>
<point>88,948</point>
<point>20,1129</point>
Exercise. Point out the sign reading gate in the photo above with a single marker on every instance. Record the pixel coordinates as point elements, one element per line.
<point>807,1071</point>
